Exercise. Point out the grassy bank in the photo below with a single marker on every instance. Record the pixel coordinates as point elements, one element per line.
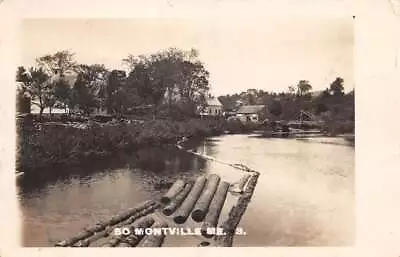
<point>52,144</point>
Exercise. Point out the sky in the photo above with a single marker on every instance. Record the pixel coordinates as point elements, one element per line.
<point>263,53</point>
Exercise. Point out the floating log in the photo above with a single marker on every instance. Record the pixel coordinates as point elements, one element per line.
<point>139,214</point>
<point>99,242</point>
<point>143,222</point>
<point>72,240</point>
<point>184,210</point>
<point>211,219</point>
<point>251,186</point>
<point>86,242</point>
<point>202,205</point>
<point>112,242</point>
<point>236,214</point>
<point>134,238</point>
<point>99,226</point>
<point>94,229</point>
<point>123,244</point>
<point>140,210</point>
<point>173,191</point>
<point>177,201</point>
<point>125,215</point>
<point>155,239</point>
<point>109,229</point>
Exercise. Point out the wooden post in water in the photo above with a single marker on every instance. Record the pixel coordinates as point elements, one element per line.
<point>173,191</point>
<point>202,205</point>
<point>236,213</point>
<point>177,201</point>
<point>211,219</point>
<point>184,210</point>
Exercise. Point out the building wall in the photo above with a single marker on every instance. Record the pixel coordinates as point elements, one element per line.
<point>248,118</point>
<point>98,111</point>
<point>213,110</point>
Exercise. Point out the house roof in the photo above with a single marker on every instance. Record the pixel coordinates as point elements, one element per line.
<point>248,109</point>
<point>213,102</point>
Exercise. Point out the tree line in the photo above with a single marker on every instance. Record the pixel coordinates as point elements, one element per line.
<point>331,103</point>
<point>169,80</point>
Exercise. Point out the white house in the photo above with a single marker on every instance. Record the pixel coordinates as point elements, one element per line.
<point>213,108</point>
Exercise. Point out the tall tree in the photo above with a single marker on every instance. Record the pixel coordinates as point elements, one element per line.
<point>275,108</point>
<point>173,75</point>
<point>116,91</point>
<point>63,95</point>
<point>292,90</point>
<point>57,66</point>
<point>35,81</point>
<point>303,87</point>
<point>58,63</point>
<point>193,85</point>
<point>90,88</point>
<point>142,81</point>
<point>337,87</point>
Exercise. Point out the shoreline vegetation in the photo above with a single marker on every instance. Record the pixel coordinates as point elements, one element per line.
<point>157,100</point>
<point>45,145</point>
<point>50,144</point>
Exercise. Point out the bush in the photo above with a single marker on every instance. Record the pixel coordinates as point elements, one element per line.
<point>235,125</point>
<point>52,144</point>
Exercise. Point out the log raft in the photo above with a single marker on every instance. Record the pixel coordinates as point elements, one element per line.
<point>133,238</point>
<point>175,203</point>
<point>236,213</point>
<point>202,200</point>
<point>203,203</point>
<point>212,217</point>
<point>176,188</point>
<point>155,239</point>
<point>186,208</point>
<point>104,228</point>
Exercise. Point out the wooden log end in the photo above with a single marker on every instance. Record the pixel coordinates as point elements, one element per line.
<point>198,215</point>
<point>204,243</point>
<point>180,219</point>
<point>165,200</point>
<point>167,211</point>
<point>175,189</point>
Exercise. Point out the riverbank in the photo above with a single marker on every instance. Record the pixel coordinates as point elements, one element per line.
<point>46,145</point>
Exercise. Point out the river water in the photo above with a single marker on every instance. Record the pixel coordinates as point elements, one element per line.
<point>304,195</point>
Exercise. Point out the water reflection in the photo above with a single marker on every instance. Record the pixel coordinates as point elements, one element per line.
<point>305,194</point>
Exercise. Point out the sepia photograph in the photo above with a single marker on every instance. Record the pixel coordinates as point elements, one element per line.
<point>186,132</point>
